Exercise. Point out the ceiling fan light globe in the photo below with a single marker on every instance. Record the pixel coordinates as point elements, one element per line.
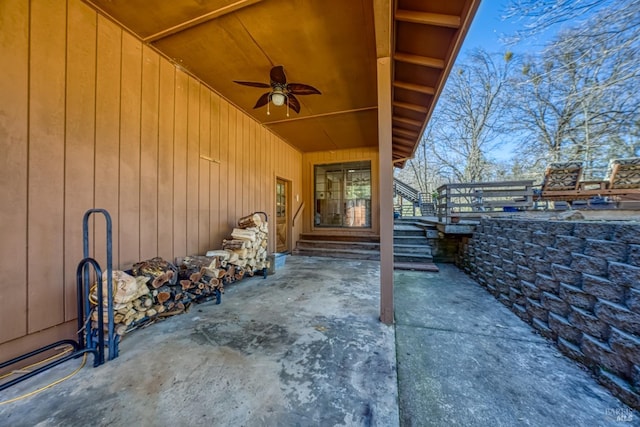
<point>278,99</point>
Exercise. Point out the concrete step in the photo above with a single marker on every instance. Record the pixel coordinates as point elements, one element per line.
<point>408,230</point>
<point>328,236</point>
<point>410,240</point>
<point>339,253</point>
<point>410,257</point>
<point>333,244</point>
<point>412,249</point>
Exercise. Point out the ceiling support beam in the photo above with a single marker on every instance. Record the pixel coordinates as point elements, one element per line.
<point>437,19</point>
<point>233,7</point>
<point>424,61</point>
<point>405,132</point>
<point>411,107</point>
<point>382,17</point>
<point>409,122</point>
<point>401,159</point>
<point>401,151</point>
<point>427,90</point>
<point>315,116</point>
<point>403,141</point>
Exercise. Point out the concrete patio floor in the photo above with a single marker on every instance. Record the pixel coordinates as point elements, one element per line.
<point>464,359</point>
<point>305,348</point>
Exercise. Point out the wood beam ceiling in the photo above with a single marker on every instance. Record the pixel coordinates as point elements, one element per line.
<point>406,121</point>
<point>315,116</point>
<point>397,159</point>
<point>405,132</point>
<point>214,14</point>
<point>427,90</point>
<point>411,112</point>
<point>402,141</point>
<point>424,61</point>
<point>437,19</point>
<point>410,107</point>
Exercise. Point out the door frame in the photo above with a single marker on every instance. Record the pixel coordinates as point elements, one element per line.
<point>287,213</point>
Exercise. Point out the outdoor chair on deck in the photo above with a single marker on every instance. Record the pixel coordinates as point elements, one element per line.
<point>624,174</point>
<point>562,182</point>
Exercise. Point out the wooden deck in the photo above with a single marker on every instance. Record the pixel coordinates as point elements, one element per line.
<point>472,200</point>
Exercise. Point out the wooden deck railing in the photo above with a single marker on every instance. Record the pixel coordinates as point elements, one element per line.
<point>471,200</point>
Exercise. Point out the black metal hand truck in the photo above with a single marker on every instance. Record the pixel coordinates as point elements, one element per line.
<point>90,339</point>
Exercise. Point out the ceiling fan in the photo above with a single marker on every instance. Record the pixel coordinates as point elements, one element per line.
<point>281,91</point>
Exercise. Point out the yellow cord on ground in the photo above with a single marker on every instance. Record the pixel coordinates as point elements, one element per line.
<point>55,383</point>
<point>27,368</point>
<point>94,301</point>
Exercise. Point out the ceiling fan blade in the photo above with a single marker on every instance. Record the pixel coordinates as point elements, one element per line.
<point>294,104</point>
<point>302,89</point>
<point>254,84</point>
<point>277,75</point>
<point>263,100</point>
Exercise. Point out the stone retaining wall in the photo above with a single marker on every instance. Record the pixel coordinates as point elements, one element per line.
<point>577,283</point>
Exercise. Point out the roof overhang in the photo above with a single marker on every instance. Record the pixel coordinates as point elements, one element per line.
<point>332,45</point>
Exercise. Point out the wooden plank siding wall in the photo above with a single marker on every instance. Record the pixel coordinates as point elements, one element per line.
<point>91,117</point>
<point>309,160</point>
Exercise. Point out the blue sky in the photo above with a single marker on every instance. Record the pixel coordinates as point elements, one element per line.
<point>487,29</point>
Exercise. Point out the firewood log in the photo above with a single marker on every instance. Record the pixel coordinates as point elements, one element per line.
<point>124,309</point>
<point>186,284</point>
<point>241,234</point>
<point>230,244</point>
<point>156,269</point>
<point>215,273</point>
<point>191,265</point>
<point>163,297</point>
<point>220,254</point>
<point>242,253</point>
<point>162,279</point>
<point>231,270</point>
<point>254,220</point>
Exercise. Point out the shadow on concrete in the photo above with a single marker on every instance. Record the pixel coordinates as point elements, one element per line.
<point>464,359</point>
<point>303,347</point>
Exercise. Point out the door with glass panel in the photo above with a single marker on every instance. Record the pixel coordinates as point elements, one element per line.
<point>282,222</point>
<point>343,195</point>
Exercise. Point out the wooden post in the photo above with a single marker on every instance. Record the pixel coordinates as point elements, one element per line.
<point>386,189</point>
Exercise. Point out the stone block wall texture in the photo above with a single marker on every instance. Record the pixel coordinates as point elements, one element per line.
<point>576,283</point>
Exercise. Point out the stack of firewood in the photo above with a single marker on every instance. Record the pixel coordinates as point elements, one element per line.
<point>156,288</point>
<point>136,296</point>
<point>248,244</point>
